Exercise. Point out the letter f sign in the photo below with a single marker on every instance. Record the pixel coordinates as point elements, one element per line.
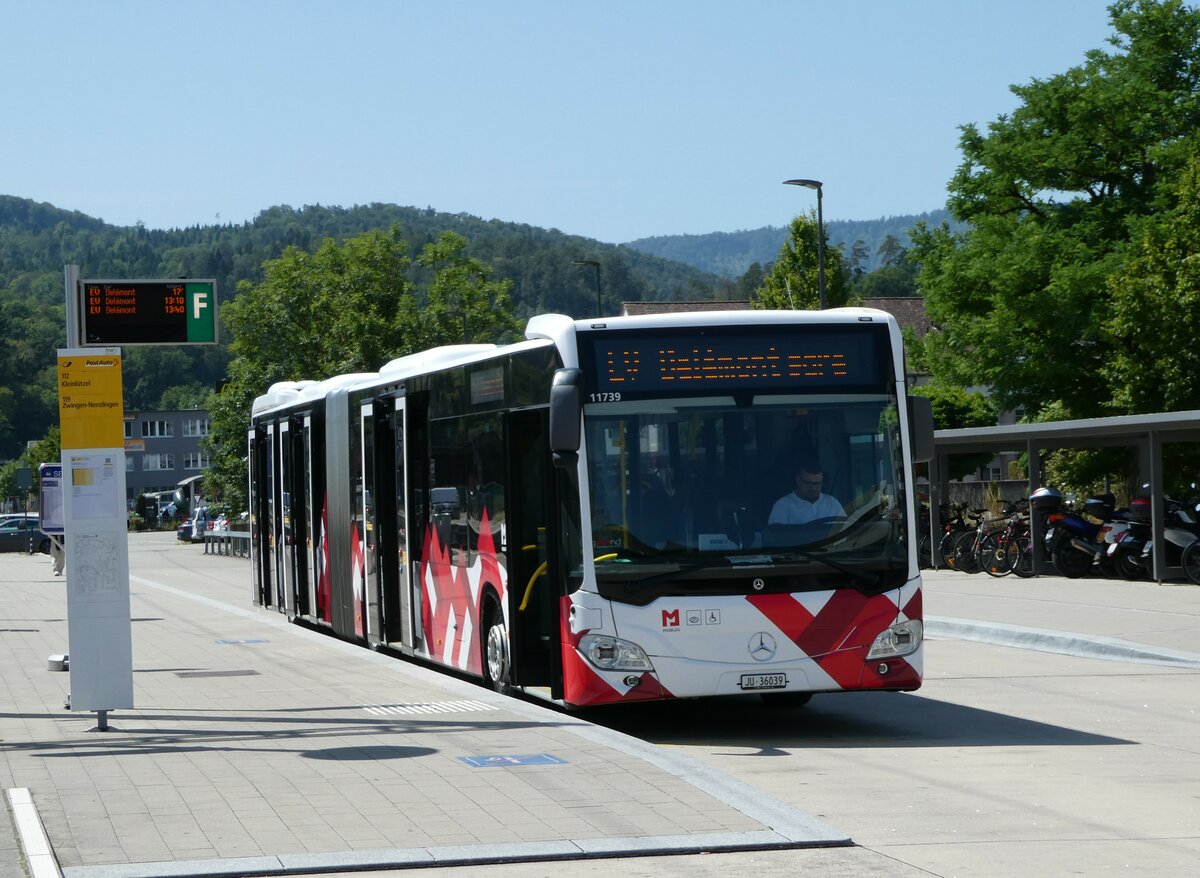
<point>201,313</point>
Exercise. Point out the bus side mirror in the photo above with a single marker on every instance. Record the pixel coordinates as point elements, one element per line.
<point>920,427</point>
<point>566,405</point>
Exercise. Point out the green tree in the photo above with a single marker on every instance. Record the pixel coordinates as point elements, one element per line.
<point>955,408</point>
<point>9,492</point>
<point>793,282</point>
<point>750,281</point>
<point>914,350</point>
<point>1148,368</point>
<point>30,333</point>
<point>860,257</point>
<point>184,396</point>
<point>348,307</point>
<point>48,449</point>
<point>1051,193</point>
<point>892,253</point>
<point>463,303</point>
<point>148,372</point>
<point>345,308</point>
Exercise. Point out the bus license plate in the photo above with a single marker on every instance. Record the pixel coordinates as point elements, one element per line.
<point>764,681</point>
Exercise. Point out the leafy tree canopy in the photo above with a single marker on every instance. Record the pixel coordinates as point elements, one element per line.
<point>955,408</point>
<point>1154,320</point>
<point>1053,193</point>
<point>793,281</point>
<point>348,307</point>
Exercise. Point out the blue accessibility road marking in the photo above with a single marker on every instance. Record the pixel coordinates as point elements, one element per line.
<point>505,761</point>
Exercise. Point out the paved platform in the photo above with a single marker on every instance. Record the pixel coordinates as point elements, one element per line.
<point>1095,618</point>
<point>258,748</point>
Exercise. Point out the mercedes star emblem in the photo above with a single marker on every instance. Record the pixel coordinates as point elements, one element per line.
<point>762,647</point>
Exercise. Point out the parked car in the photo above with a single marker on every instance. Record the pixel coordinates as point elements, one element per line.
<point>202,523</point>
<point>17,534</point>
<point>18,516</point>
<point>184,531</point>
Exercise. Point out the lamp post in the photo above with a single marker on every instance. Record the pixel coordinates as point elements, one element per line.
<point>816,184</point>
<point>596,265</point>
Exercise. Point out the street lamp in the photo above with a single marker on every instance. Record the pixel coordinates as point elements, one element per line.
<point>816,184</point>
<point>596,265</point>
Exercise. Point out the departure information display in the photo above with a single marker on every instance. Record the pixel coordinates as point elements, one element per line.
<point>121,312</point>
<point>715,360</point>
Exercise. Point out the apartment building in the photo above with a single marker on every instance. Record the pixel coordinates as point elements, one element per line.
<point>163,450</point>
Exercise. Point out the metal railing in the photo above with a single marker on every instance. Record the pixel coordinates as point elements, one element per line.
<point>235,543</point>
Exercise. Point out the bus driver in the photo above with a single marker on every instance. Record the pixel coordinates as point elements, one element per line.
<point>806,503</point>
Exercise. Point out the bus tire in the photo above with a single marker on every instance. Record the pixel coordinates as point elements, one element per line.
<point>497,661</point>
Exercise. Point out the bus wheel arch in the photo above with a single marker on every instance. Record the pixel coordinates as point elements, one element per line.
<point>497,657</point>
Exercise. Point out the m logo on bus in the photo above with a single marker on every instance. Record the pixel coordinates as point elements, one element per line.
<point>670,618</point>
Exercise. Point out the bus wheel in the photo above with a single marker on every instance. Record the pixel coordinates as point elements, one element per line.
<point>785,699</point>
<point>496,663</point>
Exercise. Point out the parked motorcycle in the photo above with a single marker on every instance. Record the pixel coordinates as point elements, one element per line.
<point>1073,539</point>
<point>1125,547</point>
<point>1181,529</point>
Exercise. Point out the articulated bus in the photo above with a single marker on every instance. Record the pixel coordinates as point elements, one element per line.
<point>584,516</point>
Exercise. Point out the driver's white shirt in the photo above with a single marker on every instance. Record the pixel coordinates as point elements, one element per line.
<point>794,509</point>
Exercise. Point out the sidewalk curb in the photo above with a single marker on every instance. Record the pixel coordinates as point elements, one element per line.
<point>1062,642</point>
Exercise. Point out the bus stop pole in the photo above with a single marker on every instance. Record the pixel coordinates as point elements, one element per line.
<point>71,294</point>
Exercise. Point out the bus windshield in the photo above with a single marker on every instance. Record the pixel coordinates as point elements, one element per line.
<point>796,492</point>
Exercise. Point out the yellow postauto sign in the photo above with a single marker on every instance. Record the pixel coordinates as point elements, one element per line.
<point>90,410</point>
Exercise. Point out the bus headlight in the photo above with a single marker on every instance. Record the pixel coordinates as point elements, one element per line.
<point>899,640</point>
<point>613,653</point>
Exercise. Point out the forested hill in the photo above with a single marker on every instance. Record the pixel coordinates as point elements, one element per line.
<point>729,254</point>
<point>37,240</point>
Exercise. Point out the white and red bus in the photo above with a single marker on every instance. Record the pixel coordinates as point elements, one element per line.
<point>585,515</point>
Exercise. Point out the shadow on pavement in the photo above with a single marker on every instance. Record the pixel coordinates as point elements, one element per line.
<point>860,719</point>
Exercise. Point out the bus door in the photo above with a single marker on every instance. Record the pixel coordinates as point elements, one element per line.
<point>396,596</point>
<point>302,532</point>
<point>533,584</point>
<point>260,528</point>
<point>368,516</point>
<point>287,541</point>
<point>275,516</point>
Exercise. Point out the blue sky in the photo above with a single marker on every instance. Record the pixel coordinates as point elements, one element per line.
<point>615,120</point>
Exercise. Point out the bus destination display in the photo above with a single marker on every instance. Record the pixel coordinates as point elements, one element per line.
<point>121,312</point>
<point>711,362</point>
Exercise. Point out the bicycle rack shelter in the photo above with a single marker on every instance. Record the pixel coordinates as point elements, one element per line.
<point>1146,433</point>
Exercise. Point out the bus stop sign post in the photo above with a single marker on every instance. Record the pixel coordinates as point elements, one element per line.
<point>108,314</point>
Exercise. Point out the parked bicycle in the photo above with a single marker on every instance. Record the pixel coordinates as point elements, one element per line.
<point>1009,549</point>
<point>954,526</point>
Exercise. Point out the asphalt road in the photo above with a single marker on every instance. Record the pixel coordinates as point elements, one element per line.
<point>1061,756</point>
<point>1009,761</point>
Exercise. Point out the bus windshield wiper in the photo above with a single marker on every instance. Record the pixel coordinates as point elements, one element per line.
<point>736,562</point>
<point>682,569</point>
<point>794,554</point>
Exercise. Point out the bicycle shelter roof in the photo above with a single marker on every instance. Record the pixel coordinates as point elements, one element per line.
<point>1127,430</point>
<point>1147,433</point>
